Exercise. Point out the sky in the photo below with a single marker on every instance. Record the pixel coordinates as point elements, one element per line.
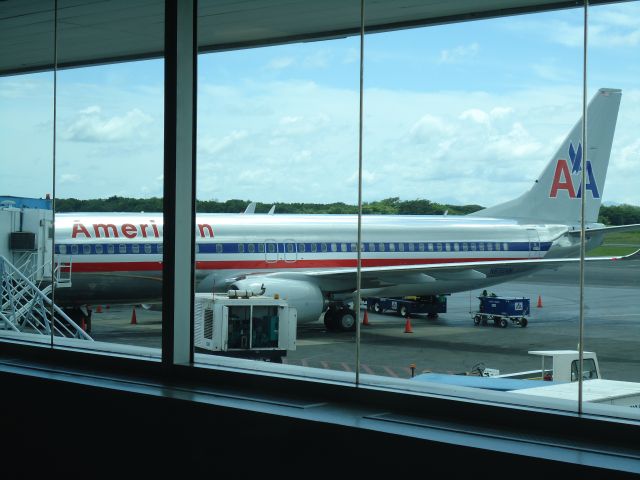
<point>459,114</point>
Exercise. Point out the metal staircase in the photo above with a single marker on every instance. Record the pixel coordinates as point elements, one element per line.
<point>26,308</point>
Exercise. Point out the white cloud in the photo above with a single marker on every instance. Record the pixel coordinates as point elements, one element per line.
<point>280,63</point>
<point>459,53</point>
<point>92,126</point>
<point>427,128</point>
<point>212,146</point>
<point>69,178</point>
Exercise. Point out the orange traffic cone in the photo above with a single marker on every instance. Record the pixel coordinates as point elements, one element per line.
<point>134,320</point>
<point>407,326</point>
<point>365,320</point>
<point>99,309</point>
<point>539,301</point>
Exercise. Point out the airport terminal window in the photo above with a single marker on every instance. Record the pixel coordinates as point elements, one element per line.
<point>495,117</point>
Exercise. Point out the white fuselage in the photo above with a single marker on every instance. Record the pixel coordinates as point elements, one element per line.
<point>117,258</point>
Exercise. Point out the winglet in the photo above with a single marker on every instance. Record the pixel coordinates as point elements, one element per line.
<point>251,208</point>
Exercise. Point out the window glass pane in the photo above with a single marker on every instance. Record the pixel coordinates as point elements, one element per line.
<point>456,127</point>
<point>279,125</point>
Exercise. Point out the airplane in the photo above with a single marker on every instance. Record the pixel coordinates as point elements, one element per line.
<point>310,260</point>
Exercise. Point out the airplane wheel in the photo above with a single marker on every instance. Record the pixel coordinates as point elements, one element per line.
<point>476,320</point>
<point>403,311</point>
<point>376,308</point>
<point>346,320</point>
<point>503,323</point>
<point>330,320</point>
<point>523,322</point>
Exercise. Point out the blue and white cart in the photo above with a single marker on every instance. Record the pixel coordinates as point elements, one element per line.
<point>501,310</point>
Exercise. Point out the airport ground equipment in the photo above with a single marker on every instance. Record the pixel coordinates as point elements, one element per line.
<point>27,273</point>
<point>430,305</point>
<point>240,324</point>
<point>502,310</point>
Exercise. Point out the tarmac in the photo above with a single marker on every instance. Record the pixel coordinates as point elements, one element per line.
<point>452,343</point>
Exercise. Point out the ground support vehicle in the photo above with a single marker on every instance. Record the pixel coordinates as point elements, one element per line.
<point>240,324</point>
<point>431,305</point>
<point>502,310</point>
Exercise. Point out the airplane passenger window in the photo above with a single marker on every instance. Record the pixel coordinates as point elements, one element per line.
<point>241,248</point>
<point>343,247</point>
<point>447,247</point>
<point>372,247</point>
<point>505,246</point>
<point>430,247</point>
<point>401,247</point>
<point>314,247</point>
<point>122,248</point>
<point>86,249</point>
<point>323,247</point>
<point>421,247</point>
<point>261,247</point>
<point>63,249</point>
<point>135,248</point>
<point>110,249</point>
<point>99,249</point>
<point>465,246</point>
<point>497,246</point>
<point>251,248</point>
<point>473,246</point>
<point>439,247</point>
<point>392,247</point>
<point>290,247</point>
<point>489,246</point>
<point>301,248</point>
<point>412,247</point>
<point>381,247</point>
<point>160,248</point>
<point>354,247</point>
<point>74,249</point>
<point>219,247</point>
<point>481,246</point>
<point>147,248</point>
<point>334,247</point>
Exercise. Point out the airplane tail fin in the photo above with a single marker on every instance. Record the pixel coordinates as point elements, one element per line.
<point>555,196</point>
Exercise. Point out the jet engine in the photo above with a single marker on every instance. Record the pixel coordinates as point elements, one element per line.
<point>304,296</point>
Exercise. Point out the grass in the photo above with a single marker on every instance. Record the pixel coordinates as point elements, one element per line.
<point>617,244</point>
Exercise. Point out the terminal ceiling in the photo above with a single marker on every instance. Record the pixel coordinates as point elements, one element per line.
<point>104,31</point>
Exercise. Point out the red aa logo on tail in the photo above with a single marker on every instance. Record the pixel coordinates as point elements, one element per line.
<point>563,177</point>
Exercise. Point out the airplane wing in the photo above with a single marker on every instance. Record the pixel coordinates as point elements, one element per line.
<point>615,228</point>
<point>376,277</point>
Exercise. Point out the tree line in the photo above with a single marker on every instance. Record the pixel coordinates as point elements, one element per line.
<point>609,215</point>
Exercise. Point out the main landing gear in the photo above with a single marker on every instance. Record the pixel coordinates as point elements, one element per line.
<point>340,319</point>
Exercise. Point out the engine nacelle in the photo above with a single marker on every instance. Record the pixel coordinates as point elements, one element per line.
<point>305,297</point>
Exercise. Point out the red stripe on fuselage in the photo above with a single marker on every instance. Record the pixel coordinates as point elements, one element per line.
<point>263,265</point>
